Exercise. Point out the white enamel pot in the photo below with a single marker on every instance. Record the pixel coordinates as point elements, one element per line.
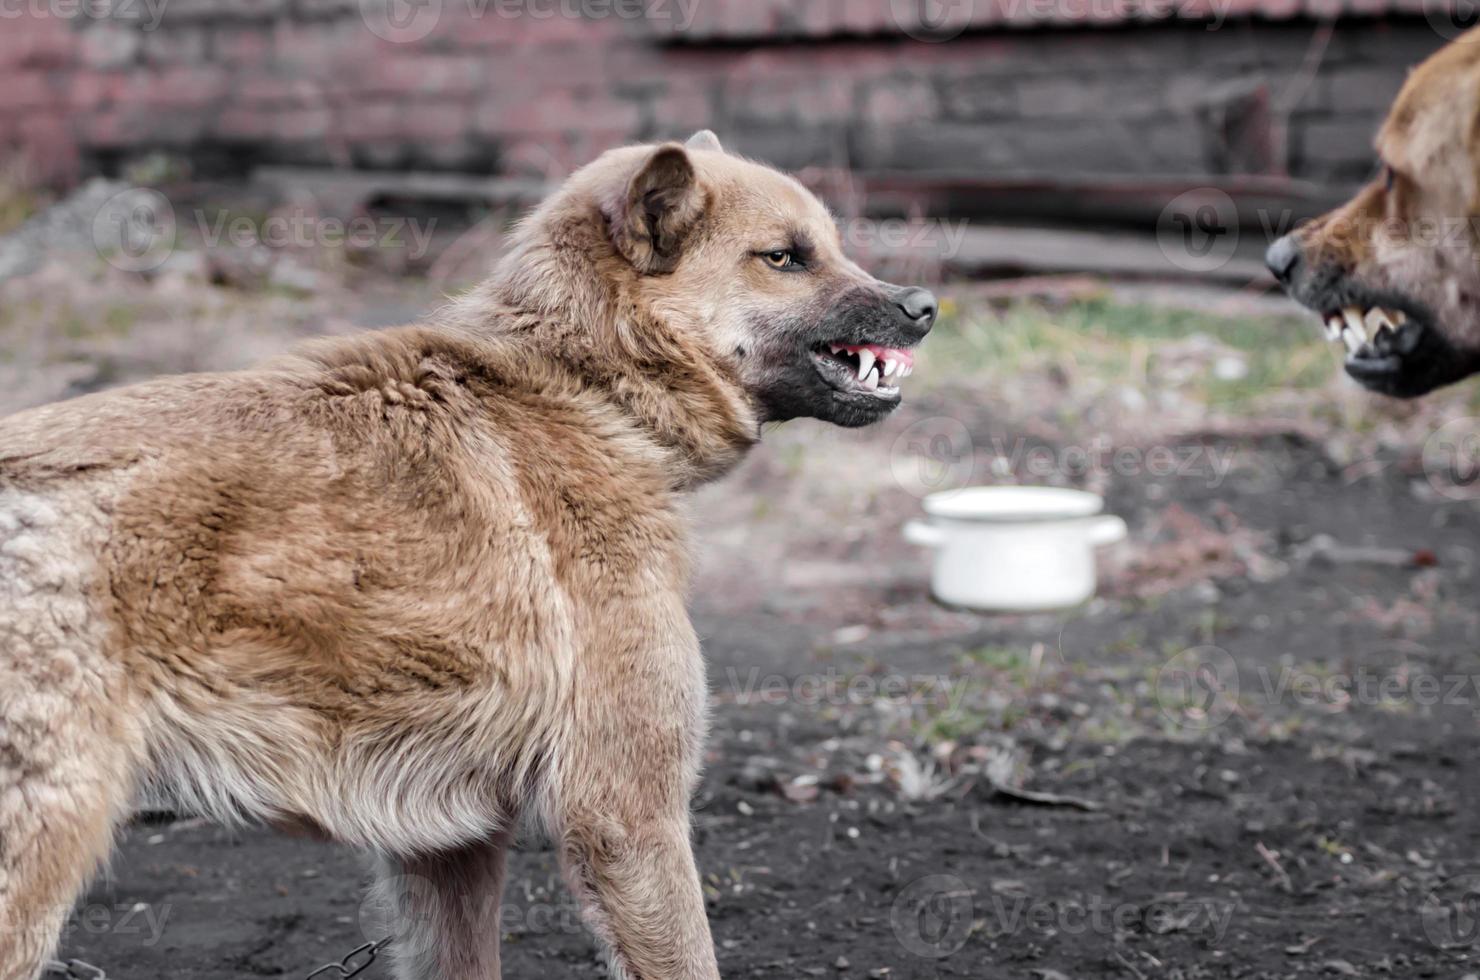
<point>1014,548</point>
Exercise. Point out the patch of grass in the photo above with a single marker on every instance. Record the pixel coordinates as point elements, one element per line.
<point>19,200</point>
<point>1102,338</point>
<point>120,319</point>
<point>73,325</point>
<point>999,658</point>
<point>962,724</point>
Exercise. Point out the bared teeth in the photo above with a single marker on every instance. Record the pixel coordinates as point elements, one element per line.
<point>877,367</point>
<point>1356,327</point>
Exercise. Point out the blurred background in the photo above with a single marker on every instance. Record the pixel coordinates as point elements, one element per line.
<point>1247,757</point>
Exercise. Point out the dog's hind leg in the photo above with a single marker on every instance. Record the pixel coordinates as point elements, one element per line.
<point>443,911</point>
<point>71,731</point>
<point>65,783</point>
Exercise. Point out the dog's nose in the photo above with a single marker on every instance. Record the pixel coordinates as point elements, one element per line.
<point>1282,258</point>
<point>919,305</point>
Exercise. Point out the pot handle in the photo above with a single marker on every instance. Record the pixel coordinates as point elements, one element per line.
<point>1108,529</point>
<point>924,535</point>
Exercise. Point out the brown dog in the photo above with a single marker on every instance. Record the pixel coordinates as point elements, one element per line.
<point>1395,273</point>
<point>406,588</point>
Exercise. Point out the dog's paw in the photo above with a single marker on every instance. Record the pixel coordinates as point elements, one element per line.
<point>1409,361</point>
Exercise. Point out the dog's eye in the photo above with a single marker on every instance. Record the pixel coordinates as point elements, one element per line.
<point>780,259</point>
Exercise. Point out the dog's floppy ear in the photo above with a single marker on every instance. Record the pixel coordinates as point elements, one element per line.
<point>705,139</point>
<point>663,203</point>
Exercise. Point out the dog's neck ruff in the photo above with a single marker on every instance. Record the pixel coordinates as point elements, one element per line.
<point>692,408</point>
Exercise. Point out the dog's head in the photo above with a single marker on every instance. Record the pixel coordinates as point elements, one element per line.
<point>752,265</point>
<point>1395,272</point>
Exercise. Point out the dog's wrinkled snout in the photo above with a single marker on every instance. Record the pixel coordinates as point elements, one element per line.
<point>919,307</point>
<point>1283,258</point>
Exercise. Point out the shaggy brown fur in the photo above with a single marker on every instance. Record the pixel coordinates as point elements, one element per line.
<point>1408,245</point>
<point>408,587</point>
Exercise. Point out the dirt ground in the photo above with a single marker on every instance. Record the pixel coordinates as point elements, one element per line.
<point>1248,758</point>
<point>1303,836</point>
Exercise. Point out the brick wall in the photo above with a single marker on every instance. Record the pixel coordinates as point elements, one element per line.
<point>235,83</point>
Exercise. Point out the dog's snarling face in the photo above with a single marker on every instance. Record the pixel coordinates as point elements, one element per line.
<point>754,260</point>
<point>1395,273</point>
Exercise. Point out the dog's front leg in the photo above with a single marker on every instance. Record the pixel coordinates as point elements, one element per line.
<point>621,809</point>
<point>444,911</point>
<point>639,888</point>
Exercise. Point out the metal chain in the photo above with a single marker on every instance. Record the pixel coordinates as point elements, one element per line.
<point>357,962</point>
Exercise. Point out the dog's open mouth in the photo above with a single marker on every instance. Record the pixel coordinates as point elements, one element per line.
<point>869,368</point>
<point>1356,327</point>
